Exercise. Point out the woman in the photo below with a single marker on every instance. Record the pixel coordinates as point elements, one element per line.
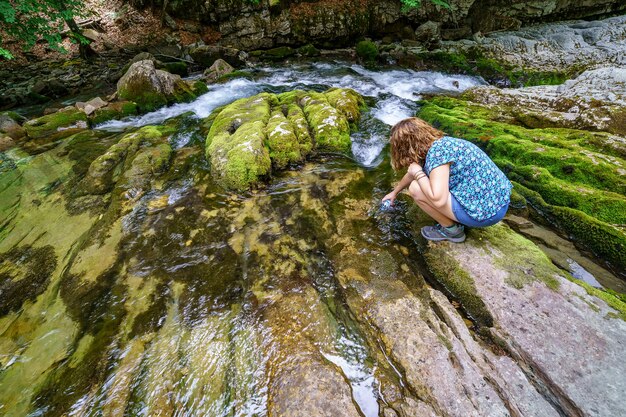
<point>451,179</point>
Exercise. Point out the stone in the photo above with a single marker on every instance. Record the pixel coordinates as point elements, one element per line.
<point>170,22</point>
<point>429,34</point>
<point>10,127</point>
<point>207,54</point>
<point>6,142</point>
<point>58,125</point>
<point>573,178</point>
<point>91,34</point>
<point>91,106</point>
<point>217,70</point>
<point>151,88</point>
<point>595,100</point>
<point>521,296</point>
<point>52,88</point>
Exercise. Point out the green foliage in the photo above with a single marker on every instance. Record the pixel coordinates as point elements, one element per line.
<point>28,21</point>
<point>414,4</point>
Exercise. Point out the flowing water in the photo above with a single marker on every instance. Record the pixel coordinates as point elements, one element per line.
<point>176,298</point>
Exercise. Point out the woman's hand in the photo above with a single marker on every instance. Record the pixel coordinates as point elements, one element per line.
<point>414,168</point>
<point>391,196</point>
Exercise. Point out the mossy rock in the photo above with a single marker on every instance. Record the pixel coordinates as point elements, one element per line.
<point>178,68</point>
<point>274,54</point>
<point>113,111</point>
<point>151,88</point>
<point>57,125</point>
<point>133,159</point>
<point>569,176</point>
<point>250,136</point>
<point>308,50</point>
<point>367,50</point>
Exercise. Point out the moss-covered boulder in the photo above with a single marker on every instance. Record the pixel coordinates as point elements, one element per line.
<point>130,162</point>
<point>250,136</point>
<point>576,179</point>
<point>57,125</point>
<point>151,88</point>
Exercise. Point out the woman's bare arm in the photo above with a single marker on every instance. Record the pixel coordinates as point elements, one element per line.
<point>404,182</point>
<point>436,187</point>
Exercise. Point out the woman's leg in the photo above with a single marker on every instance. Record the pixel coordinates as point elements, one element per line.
<point>444,215</point>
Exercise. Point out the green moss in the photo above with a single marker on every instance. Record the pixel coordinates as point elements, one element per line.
<point>114,111</point>
<point>235,143</point>
<point>178,68</point>
<point>330,129</point>
<point>517,200</point>
<point>199,87</point>
<point>611,299</point>
<point>274,54</point>
<point>367,50</point>
<point>282,141</point>
<point>604,240</point>
<point>475,63</point>
<point>105,169</point>
<point>149,98</point>
<point>308,50</point>
<point>520,257</point>
<point>56,125</point>
<point>252,134</point>
<point>460,284</point>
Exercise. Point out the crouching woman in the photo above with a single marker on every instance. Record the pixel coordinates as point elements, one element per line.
<point>451,179</point>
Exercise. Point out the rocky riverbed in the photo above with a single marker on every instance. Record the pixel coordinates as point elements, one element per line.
<point>183,249</point>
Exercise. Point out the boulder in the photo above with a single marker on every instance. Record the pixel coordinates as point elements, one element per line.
<point>429,34</point>
<point>151,88</point>
<point>58,125</point>
<point>217,70</point>
<point>253,134</point>
<point>207,54</point>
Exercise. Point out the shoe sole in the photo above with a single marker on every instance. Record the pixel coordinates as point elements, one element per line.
<point>441,239</point>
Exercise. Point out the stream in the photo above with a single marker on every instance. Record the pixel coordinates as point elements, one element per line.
<point>184,300</point>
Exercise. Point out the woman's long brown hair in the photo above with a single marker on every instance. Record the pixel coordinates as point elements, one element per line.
<point>410,141</point>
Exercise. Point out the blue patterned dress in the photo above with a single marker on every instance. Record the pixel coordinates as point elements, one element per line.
<point>475,181</point>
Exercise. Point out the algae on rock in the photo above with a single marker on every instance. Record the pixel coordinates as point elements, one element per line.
<point>253,135</point>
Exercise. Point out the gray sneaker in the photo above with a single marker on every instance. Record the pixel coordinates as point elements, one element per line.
<point>438,233</point>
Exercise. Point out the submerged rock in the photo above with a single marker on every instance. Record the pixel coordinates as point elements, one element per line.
<point>250,136</point>
<point>151,88</point>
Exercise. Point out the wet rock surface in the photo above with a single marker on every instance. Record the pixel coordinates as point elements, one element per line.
<point>147,287</point>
